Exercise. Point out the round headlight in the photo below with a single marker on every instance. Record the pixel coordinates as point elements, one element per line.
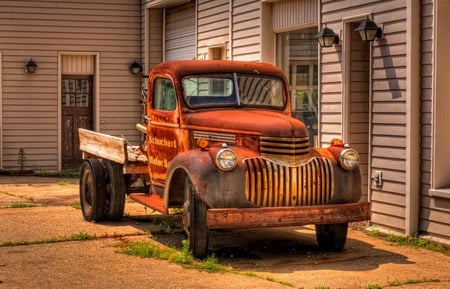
<point>349,159</point>
<point>226,159</point>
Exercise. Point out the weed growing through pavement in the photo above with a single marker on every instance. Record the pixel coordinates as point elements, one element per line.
<point>394,283</point>
<point>76,237</point>
<point>410,241</point>
<point>22,205</point>
<point>21,160</point>
<point>374,286</point>
<point>400,283</point>
<point>184,258</point>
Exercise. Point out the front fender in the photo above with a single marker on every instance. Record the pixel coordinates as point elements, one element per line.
<point>216,188</point>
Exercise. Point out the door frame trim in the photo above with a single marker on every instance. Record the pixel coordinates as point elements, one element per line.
<point>96,96</point>
<point>345,104</point>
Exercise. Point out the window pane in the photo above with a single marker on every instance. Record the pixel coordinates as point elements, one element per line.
<point>209,90</point>
<point>164,95</point>
<point>300,64</point>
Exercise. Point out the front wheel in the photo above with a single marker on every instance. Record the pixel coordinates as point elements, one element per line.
<point>92,190</point>
<point>331,237</point>
<point>194,219</point>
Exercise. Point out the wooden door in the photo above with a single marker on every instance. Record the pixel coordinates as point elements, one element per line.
<point>77,112</point>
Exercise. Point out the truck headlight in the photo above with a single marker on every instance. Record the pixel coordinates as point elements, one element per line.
<point>226,159</point>
<point>349,159</point>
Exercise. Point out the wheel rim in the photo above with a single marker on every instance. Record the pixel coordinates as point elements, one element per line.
<point>88,191</point>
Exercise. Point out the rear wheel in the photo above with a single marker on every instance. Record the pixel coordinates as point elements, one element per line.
<point>331,237</point>
<point>115,191</point>
<point>92,190</point>
<point>194,219</point>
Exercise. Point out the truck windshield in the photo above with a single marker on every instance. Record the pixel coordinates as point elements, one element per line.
<point>236,90</point>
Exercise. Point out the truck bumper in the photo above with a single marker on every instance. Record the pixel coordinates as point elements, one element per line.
<point>234,218</point>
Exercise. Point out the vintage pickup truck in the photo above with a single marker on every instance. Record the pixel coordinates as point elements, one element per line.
<point>221,145</point>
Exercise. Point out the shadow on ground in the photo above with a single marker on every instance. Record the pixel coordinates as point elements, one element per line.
<point>276,250</point>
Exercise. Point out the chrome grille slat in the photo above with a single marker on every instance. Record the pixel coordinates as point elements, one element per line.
<point>285,151</point>
<point>284,148</point>
<point>215,136</point>
<point>270,184</point>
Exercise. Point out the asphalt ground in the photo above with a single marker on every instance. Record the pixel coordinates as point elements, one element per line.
<point>260,258</point>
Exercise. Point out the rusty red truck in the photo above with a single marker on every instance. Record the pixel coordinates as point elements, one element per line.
<point>221,145</point>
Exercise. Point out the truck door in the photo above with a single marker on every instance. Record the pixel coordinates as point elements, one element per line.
<point>164,129</point>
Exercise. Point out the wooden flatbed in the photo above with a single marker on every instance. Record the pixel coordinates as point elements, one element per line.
<point>116,149</point>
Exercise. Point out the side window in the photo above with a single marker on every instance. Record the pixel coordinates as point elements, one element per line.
<point>164,95</point>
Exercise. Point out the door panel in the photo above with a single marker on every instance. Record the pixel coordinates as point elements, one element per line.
<point>77,112</point>
<point>163,139</point>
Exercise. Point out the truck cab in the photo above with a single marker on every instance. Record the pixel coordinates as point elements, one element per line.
<point>221,144</point>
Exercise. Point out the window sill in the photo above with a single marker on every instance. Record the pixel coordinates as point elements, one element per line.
<point>443,193</point>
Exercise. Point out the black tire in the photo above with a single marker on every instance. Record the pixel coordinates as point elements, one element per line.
<point>194,219</point>
<point>92,190</point>
<point>115,191</point>
<point>331,237</point>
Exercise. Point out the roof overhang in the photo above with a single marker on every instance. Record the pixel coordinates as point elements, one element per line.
<point>165,3</point>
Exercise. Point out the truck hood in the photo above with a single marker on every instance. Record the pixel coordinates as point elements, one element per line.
<point>259,122</point>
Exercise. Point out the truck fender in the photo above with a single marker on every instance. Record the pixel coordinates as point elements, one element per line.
<point>207,180</point>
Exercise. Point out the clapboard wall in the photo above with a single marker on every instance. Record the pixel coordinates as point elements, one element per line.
<point>109,29</point>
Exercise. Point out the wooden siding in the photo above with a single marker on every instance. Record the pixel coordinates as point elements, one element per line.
<point>246,30</point>
<point>388,114</point>
<point>434,211</point>
<point>1,110</point>
<point>358,102</point>
<point>155,37</point>
<point>213,25</point>
<point>41,29</point>
<point>288,14</point>
<point>78,64</point>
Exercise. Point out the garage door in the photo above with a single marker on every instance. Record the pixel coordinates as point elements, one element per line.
<point>180,32</point>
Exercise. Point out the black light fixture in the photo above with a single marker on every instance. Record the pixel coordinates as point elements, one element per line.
<point>327,37</point>
<point>31,66</point>
<point>135,67</point>
<point>369,30</point>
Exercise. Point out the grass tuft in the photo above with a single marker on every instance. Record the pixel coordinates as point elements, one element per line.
<point>410,241</point>
<point>22,205</point>
<point>374,286</point>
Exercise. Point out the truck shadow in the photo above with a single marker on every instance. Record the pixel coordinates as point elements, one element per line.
<point>280,250</point>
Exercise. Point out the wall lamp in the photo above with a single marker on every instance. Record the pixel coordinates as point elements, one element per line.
<point>31,66</point>
<point>369,30</point>
<point>135,67</point>
<point>327,37</point>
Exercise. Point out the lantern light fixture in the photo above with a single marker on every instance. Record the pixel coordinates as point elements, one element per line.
<point>31,66</point>
<point>135,67</point>
<point>369,30</point>
<point>327,37</point>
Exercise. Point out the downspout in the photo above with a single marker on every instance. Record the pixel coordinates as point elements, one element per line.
<point>319,78</point>
<point>412,118</point>
<point>146,40</point>
<point>164,36</point>
<point>196,30</point>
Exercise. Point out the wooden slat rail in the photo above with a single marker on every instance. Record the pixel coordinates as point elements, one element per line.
<point>103,146</point>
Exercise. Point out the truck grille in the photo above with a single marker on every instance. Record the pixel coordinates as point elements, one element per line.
<point>284,147</point>
<point>269,184</point>
<point>215,136</point>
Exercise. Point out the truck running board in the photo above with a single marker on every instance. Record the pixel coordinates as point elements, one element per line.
<point>152,201</point>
